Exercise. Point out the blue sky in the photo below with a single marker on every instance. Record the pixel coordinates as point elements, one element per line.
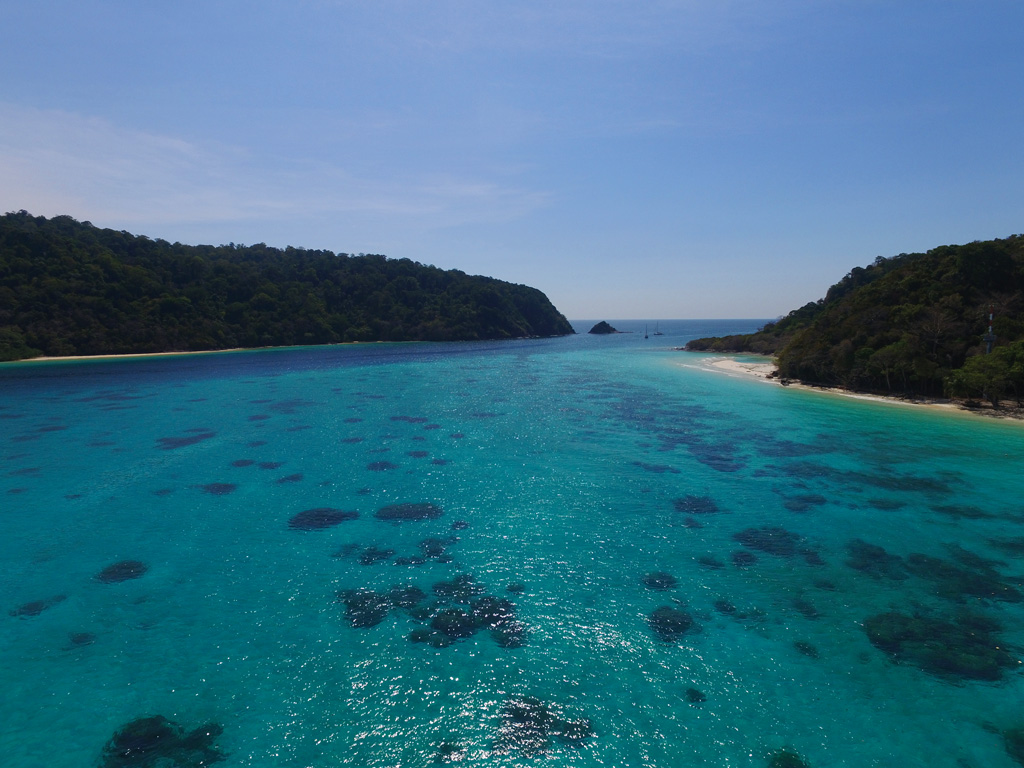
<point>662,159</point>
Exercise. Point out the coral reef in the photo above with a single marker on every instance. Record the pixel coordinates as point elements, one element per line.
<point>966,647</point>
<point>785,758</point>
<point>364,607</point>
<point>528,726</point>
<point>659,580</point>
<point>122,571</point>
<point>409,512</point>
<point>319,518</point>
<point>35,607</point>
<point>696,505</point>
<point>156,742</point>
<point>875,561</point>
<point>669,623</point>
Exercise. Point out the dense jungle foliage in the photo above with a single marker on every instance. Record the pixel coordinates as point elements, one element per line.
<point>69,288</point>
<point>912,324</point>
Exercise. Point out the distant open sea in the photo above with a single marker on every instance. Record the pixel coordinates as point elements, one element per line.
<point>586,551</point>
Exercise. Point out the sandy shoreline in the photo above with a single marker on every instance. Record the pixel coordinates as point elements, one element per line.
<point>132,355</point>
<point>765,370</point>
<point>126,355</point>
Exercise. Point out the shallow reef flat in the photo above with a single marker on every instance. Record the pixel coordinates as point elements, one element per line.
<point>568,550</point>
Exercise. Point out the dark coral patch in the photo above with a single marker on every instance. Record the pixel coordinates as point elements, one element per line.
<point>710,561</point>
<point>381,466</point>
<point>297,477</point>
<point>658,580</point>
<point>696,505</point>
<point>461,589</point>
<point>967,647</point>
<point>219,489</point>
<point>242,463</point>
<point>409,512</point>
<point>150,742</point>
<point>407,596</point>
<point>669,623</point>
<point>658,469</point>
<point>374,554</point>
<point>956,582</point>
<point>320,518</point>
<point>528,726</point>
<point>1013,740</point>
<point>351,440</point>
<point>418,454</point>
<point>460,525</point>
<point>875,561</point>
<point>773,540</point>
<point>271,464</point>
<point>170,443</point>
<point>804,502</point>
<point>806,608</point>
<point>743,559</point>
<point>432,426</point>
<point>259,417</point>
<point>122,571</point>
<point>163,491</point>
<point>35,607</point>
<point>410,560</point>
<point>964,512</point>
<point>456,435</point>
<point>806,649</point>
<point>695,697</point>
<point>439,462</point>
<point>493,612</point>
<point>784,758</point>
<point>411,419</point>
<point>724,607</point>
<point>434,547</point>
<point>79,639</point>
<point>455,623</point>
<point>256,443</point>
<point>887,505</point>
<point>364,607</point>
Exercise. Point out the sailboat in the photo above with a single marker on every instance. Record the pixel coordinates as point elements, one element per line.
<point>645,331</point>
<point>656,331</point>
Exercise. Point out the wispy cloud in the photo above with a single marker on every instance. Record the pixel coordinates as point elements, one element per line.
<point>54,162</point>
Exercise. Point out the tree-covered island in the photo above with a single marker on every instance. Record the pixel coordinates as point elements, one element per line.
<point>69,288</point>
<point>911,325</point>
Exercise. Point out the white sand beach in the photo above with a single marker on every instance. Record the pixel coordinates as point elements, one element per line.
<point>766,369</point>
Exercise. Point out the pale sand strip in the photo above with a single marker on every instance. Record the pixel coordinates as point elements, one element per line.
<point>764,371</point>
<point>130,355</point>
<point>126,355</point>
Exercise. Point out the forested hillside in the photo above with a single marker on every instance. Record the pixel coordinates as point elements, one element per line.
<point>911,324</point>
<point>69,288</point>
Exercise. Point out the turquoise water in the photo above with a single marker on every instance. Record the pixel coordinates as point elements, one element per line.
<point>577,465</point>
